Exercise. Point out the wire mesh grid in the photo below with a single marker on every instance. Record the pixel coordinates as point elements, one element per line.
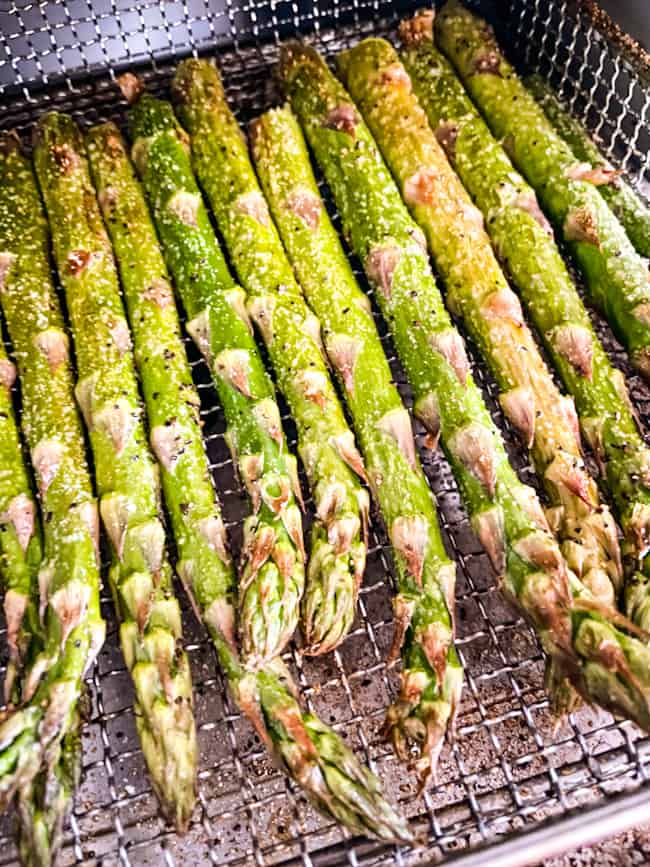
<point>508,769</point>
<point>594,80</point>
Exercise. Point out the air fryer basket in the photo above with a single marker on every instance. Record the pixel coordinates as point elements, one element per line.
<point>508,782</point>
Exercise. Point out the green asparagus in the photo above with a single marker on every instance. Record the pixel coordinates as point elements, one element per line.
<point>20,542</point>
<point>630,209</point>
<point>69,575</point>
<point>171,400</point>
<point>20,532</point>
<point>425,601</point>
<point>20,557</point>
<point>319,760</point>
<point>478,293</point>
<point>272,564</point>
<point>604,663</point>
<point>312,753</point>
<point>616,276</point>
<point>45,802</point>
<point>127,480</point>
<point>292,336</point>
<point>40,756</point>
<point>525,245</point>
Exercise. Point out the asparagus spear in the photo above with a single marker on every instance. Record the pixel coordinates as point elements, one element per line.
<point>478,293</point>
<point>107,391</point>
<point>604,664</point>
<point>630,209</point>
<point>66,627</point>
<point>521,238</point>
<point>171,400</point>
<point>425,600</point>
<point>616,276</point>
<point>311,752</point>
<point>20,556</point>
<point>292,336</point>
<point>20,542</point>
<point>69,574</point>
<point>272,565</point>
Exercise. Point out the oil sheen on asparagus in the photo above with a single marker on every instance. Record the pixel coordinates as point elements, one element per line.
<point>478,293</point>
<point>604,663</point>
<point>291,333</point>
<point>633,213</point>
<point>310,751</point>
<point>616,276</point>
<point>126,475</point>
<point>424,605</point>
<point>61,602</point>
<point>524,242</point>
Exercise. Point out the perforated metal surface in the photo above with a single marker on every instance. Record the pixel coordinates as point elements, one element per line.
<point>508,769</point>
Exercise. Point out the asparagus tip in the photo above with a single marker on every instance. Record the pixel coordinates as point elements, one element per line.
<point>175,788</point>
<point>330,601</point>
<point>315,756</point>
<point>182,813</point>
<point>424,733</point>
<point>419,720</point>
<point>611,615</point>
<point>563,695</point>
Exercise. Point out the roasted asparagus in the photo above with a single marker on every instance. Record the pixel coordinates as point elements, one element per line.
<point>272,564</point>
<point>604,663</point>
<point>311,752</point>
<point>126,475</point>
<point>424,605</point>
<point>616,276</point>
<point>477,292</point>
<point>524,242</point>
<point>62,604</point>
<point>630,209</point>
<point>292,336</point>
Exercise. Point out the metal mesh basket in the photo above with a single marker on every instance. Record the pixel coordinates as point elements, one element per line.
<point>509,782</point>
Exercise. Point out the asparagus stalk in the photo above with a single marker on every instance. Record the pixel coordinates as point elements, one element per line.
<point>171,400</point>
<point>521,238</point>
<point>272,563</point>
<point>630,209</point>
<point>44,802</point>
<point>604,663</point>
<point>616,276</point>
<point>425,575</point>
<point>292,336</point>
<point>20,541</point>
<point>127,481</point>
<point>20,532</point>
<point>69,574</point>
<point>478,293</point>
<point>40,741</point>
<point>20,557</point>
<point>311,752</point>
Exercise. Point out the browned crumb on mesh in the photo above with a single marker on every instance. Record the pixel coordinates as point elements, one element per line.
<point>632,50</point>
